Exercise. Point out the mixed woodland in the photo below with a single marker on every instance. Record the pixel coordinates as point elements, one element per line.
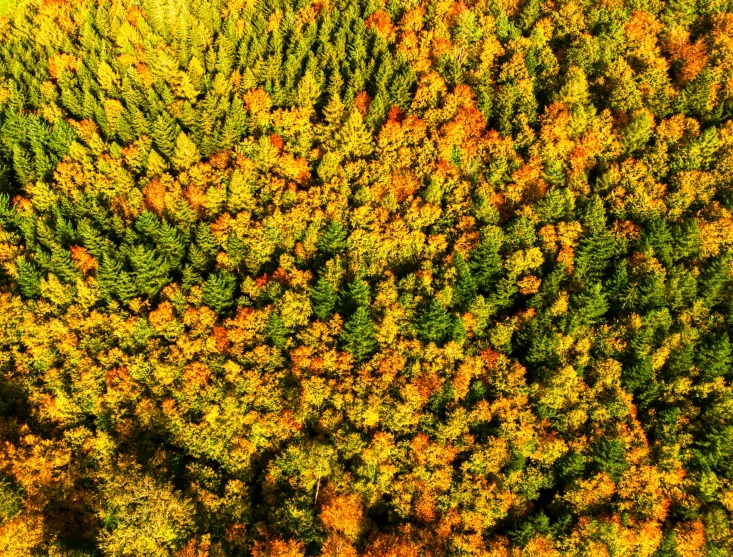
<point>366,278</point>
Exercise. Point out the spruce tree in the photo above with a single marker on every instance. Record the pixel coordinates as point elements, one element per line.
<point>185,154</point>
<point>358,335</point>
<point>356,295</point>
<point>465,287</point>
<point>218,291</point>
<point>165,134</point>
<point>275,331</point>
<point>29,279</point>
<point>334,239</point>
<point>485,260</point>
<point>108,274</point>
<point>323,299</point>
<point>149,271</point>
<point>354,139</point>
<point>434,324</point>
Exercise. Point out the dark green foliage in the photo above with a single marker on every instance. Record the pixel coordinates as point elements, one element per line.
<point>465,288</point>
<point>434,323</point>
<point>334,238</point>
<point>485,260</point>
<point>323,299</point>
<point>365,278</point>
<point>358,336</point>
<point>275,330</point>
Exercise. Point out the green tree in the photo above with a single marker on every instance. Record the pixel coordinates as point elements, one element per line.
<point>358,335</point>
<point>323,299</point>
<point>218,291</point>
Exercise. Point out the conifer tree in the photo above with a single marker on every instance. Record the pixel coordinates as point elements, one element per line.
<point>29,279</point>
<point>485,260</point>
<point>465,288</point>
<point>353,139</point>
<point>323,299</point>
<point>186,153</point>
<point>434,324</point>
<point>108,276</point>
<point>218,291</point>
<point>149,271</point>
<point>334,239</point>
<point>166,135</point>
<point>356,295</point>
<point>358,336</point>
<point>275,331</point>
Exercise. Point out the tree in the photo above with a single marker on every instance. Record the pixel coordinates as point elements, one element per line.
<point>185,154</point>
<point>323,299</point>
<point>334,239</point>
<point>29,279</point>
<point>166,135</point>
<point>465,288</point>
<point>150,273</point>
<point>358,336</point>
<point>485,261</point>
<point>353,139</point>
<point>218,291</point>
<point>356,295</point>
<point>434,323</point>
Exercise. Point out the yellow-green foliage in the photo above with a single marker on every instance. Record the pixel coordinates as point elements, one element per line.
<point>384,279</point>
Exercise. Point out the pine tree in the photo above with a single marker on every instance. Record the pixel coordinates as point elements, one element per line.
<point>29,279</point>
<point>358,335</point>
<point>107,277</point>
<point>148,225</point>
<point>23,165</point>
<point>186,153</point>
<point>485,262</point>
<point>334,239</point>
<point>169,244</point>
<point>592,305</point>
<point>149,271</point>
<point>465,288</point>
<point>434,323</point>
<point>190,277</point>
<point>125,288</point>
<point>275,331</point>
<point>218,291</point>
<point>63,266</point>
<point>354,140</point>
<point>323,299</point>
<point>356,295</point>
<point>596,248</point>
<point>165,134</point>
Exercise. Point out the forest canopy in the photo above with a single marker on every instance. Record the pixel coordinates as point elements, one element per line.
<point>366,278</point>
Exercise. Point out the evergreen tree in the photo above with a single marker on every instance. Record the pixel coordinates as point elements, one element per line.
<point>434,323</point>
<point>218,291</point>
<point>358,336</point>
<point>323,299</point>
<point>596,248</point>
<point>29,279</point>
<point>275,331</point>
<point>353,139</point>
<point>165,134</point>
<point>107,277</point>
<point>185,154</point>
<point>465,288</point>
<point>334,239</point>
<point>150,273</point>
<point>485,261</point>
<point>356,295</point>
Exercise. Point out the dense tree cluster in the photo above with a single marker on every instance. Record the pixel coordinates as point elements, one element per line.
<point>379,278</point>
